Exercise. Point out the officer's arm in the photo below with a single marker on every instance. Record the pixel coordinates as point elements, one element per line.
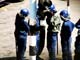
<point>48,21</point>
<point>73,25</point>
<point>26,26</point>
<point>44,11</point>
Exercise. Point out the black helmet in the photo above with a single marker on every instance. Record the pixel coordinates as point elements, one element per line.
<point>52,8</point>
<point>24,12</point>
<point>64,15</point>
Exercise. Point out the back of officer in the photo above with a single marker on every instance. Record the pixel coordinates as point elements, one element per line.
<point>66,30</point>
<point>77,42</point>
<point>21,30</point>
<point>53,21</point>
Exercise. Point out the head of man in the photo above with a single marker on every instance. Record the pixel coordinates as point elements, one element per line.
<point>64,15</point>
<point>24,13</point>
<point>52,9</point>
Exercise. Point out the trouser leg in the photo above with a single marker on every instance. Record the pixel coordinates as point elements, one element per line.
<point>66,49</point>
<point>69,55</point>
<point>52,45</point>
<point>41,42</point>
<point>38,41</point>
<point>21,48</point>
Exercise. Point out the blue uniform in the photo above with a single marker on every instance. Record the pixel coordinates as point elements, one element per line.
<point>66,31</point>
<point>21,30</point>
<point>37,33</point>
<point>52,38</point>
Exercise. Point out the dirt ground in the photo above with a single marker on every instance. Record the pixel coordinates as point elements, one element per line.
<point>7,18</point>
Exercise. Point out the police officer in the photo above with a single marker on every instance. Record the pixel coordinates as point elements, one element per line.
<point>53,21</point>
<point>41,17</point>
<point>41,38</point>
<point>77,42</point>
<point>66,30</point>
<point>21,30</point>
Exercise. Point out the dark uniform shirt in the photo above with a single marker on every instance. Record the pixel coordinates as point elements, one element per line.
<point>40,11</point>
<point>66,29</point>
<point>41,8</point>
<point>21,27</point>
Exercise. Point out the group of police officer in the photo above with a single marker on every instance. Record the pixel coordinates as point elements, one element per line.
<point>46,11</point>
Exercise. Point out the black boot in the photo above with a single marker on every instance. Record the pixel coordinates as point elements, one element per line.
<point>52,56</point>
<point>64,56</point>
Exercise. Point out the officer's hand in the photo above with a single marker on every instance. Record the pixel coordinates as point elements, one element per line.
<point>32,22</point>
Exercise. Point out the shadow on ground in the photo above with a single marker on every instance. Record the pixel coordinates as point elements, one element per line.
<point>7,2</point>
<point>14,1</point>
<point>9,58</point>
<point>3,3</point>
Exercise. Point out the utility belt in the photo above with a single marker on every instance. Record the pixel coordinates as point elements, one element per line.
<point>53,29</point>
<point>52,33</point>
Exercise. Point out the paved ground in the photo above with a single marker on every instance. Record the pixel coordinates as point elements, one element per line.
<point>7,18</point>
